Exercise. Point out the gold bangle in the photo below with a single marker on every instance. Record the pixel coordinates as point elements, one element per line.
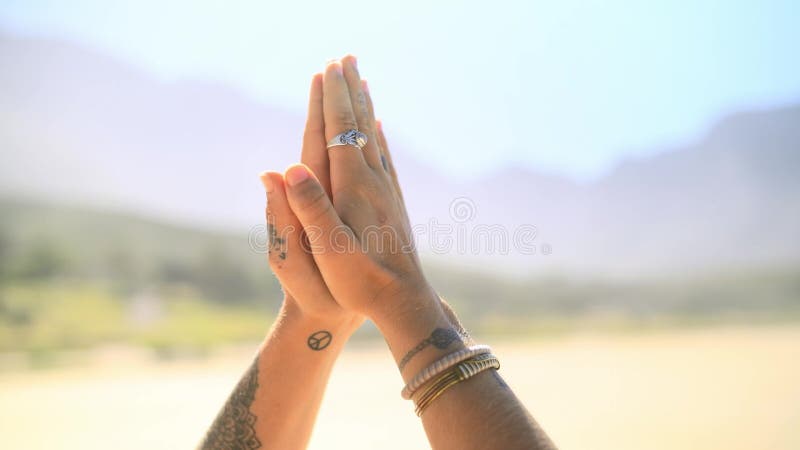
<point>422,406</point>
<point>461,372</point>
<point>453,372</point>
<point>436,386</point>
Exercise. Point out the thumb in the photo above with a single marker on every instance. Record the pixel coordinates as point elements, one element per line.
<point>310,203</point>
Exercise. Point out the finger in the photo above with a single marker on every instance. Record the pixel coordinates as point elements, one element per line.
<point>346,161</point>
<point>358,99</point>
<point>329,238</point>
<point>294,267</point>
<point>388,158</point>
<point>390,164</point>
<point>314,155</point>
<point>371,110</point>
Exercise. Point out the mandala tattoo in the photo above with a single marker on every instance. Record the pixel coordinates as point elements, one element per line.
<point>233,429</point>
<point>276,243</point>
<point>440,338</point>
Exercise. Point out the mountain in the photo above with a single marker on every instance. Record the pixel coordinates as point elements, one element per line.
<point>75,250</point>
<point>730,199</point>
<point>80,127</point>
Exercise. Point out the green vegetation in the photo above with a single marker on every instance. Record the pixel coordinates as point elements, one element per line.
<point>744,295</point>
<point>73,278</point>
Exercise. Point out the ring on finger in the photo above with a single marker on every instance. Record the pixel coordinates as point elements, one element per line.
<point>350,137</point>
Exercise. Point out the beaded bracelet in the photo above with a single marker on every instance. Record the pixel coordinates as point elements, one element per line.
<point>461,372</point>
<point>440,366</point>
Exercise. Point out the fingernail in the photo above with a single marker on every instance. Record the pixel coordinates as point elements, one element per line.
<point>267,182</point>
<point>364,86</point>
<point>337,67</point>
<point>296,175</point>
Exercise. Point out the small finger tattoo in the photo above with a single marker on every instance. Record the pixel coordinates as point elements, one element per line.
<point>276,243</point>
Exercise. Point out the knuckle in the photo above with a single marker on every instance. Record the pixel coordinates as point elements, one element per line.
<point>308,193</point>
<point>317,206</point>
<point>346,119</point>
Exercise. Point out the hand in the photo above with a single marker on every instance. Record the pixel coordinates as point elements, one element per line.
<point>349,204</point>
<point>304,289</point>
<point>361,240</point>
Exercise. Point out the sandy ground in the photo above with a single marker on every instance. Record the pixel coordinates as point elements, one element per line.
<point>701,389</point>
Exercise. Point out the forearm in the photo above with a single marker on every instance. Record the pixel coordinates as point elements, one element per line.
<point>276,402</point>
<point>479,413</point>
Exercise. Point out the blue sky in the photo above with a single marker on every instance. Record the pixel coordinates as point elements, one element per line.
<point>568,87</point>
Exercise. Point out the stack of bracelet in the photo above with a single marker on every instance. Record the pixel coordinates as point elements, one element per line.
<point>447,372</point>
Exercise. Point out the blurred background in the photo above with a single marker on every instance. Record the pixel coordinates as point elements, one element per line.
<point>607,192</point>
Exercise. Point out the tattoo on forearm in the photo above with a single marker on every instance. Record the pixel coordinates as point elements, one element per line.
<point>440,338</point>
<point>233,429</point>
<point>319,340</point>
<point>276,243</point>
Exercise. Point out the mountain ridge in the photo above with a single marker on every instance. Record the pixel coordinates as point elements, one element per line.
<point>78,127</point>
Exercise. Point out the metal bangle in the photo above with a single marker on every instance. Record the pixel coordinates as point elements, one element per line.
<point>462,372</point>
<point>440,366</point>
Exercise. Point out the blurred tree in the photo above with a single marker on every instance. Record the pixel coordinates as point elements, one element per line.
<point>5,254</point>
<point>121,266</point>
<point>223,278</point>
<point>173,271</point>
<point>44,258</point>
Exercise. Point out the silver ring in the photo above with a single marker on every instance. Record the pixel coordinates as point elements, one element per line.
<point>350,137</point>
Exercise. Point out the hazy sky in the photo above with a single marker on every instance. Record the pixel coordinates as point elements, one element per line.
<point>568,87</point>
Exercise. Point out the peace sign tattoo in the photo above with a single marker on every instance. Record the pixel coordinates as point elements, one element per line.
<point>319,340</point>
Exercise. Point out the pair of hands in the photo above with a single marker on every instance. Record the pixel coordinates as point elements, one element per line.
<point>341,245</point>
<point>339,235</point>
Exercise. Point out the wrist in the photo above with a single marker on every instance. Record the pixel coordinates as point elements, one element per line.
<point>341,324</point>
<point>419,331</point>
<point>405,305</point>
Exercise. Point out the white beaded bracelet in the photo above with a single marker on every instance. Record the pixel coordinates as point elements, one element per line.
<point>440,366</point>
